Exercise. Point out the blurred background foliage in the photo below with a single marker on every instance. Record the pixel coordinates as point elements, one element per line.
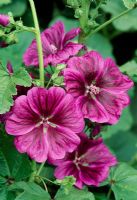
<point>118,40</point>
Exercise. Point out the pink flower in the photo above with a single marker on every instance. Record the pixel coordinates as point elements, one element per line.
<point>56,46</point>
<point>89,163</point>
<point>45,123</point>
<point>99,87</point>
<point>4,20</point>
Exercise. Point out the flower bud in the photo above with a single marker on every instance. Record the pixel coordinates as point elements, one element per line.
<point>4,20</point>
<point>73,3</point>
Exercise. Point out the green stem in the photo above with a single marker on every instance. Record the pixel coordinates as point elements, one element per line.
<point>33,166</point>
<point>39,43</point>
<point>109,22</point>
<point>40,169</point>
<point>85,5</point>
<point>49,82</point>
<point>109,194</point>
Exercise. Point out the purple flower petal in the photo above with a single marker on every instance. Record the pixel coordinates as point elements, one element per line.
<point>96,84</point>
<point>89,163</point>
<point>56,50</point>
<point>45,123</point>
<point>61,140</point>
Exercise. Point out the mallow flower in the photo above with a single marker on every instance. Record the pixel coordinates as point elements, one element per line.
<point>57,47</point>
<point>4,20</point>
<point>98,86</point>
<point>89,163</point>
<point>45,123</point>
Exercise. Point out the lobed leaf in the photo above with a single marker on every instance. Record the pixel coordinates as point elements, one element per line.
<point>123,180</point>
<point>74,194</point>
<point>8,83</point>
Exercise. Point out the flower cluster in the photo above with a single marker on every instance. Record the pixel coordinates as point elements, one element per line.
<point>48,123</point>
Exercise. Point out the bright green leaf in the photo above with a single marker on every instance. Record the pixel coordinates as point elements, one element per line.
<point>130,68</point>
<point>123,180</point>
<point>74,194</point>
<point>129,3</point>
<point>8,84</point>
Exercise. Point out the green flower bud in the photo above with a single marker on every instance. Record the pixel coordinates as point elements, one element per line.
<point>78,13</point>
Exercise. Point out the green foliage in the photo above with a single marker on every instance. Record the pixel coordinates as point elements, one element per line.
<point>8,83</point>
<point>124,125</point>
<point>100,43</point>
<point>124,23</point>
<point>13,165</point>
<point>123,180</point>
<point>74,194</point>
<point>130,68</point>
<point>14,53</point>
<point>17,7</point>
<point>66,183</point>
<point>31,190</point>
<point>5,2</point>
<point>130,3</point>
<point>121,142</point>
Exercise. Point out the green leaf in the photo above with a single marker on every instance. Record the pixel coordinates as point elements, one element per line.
<point>4,168</point>
<point>130,68</point>
<point>32,191</point>
<point>129,3</point>
<point>124,145</point>
<point>17,7</point>
<point>8,84</point>
<point>127,21</point>
<point>2,181</point>
<point>74,194</point>
<point>13,164</point>
<point>14,53</point>
<point>5,2</point>
<point>3,193</point>
<point>99,196</point>
<point>124,124</point>
<point>100,43</point>
<point>67,183</point>
<point>123,180</point>
<point>69,23</point>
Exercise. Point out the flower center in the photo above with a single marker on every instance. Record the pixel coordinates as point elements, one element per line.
<point>79,161</point>
<point>45,122</point>
<point>92,90</point>
<point>53,48</point>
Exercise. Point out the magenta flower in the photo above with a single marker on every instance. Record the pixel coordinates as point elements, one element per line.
<point>56,46</point>
<point>99,87</point>
<point>45,123</point>
<point>4,20</point>
<point>89,163</point>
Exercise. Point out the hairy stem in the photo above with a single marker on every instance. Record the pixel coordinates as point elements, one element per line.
<point>39,43</point>
<point>33,167</point>
<point>40,169</point>
<point>109,194</point>
<point>85,4</point>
